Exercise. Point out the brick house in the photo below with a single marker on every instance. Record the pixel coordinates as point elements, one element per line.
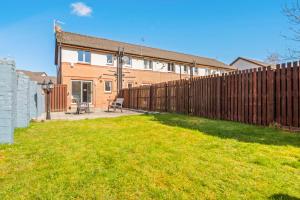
<point>242,63</point>
<point>95,68</point>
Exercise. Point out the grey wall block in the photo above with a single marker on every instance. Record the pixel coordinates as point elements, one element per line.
<point>7,100</point>
<point>41,101</point>
<point>33,100</point>
<point>20,100</point>
<point>22,119</point>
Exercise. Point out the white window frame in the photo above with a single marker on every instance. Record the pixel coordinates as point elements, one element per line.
<point>207,72</point>
<point>196,70</point>
<point>130,60</point>
<point>112,59</point>
<point>185,69</point>
<point>105,91</point>
<point>81,82</point>
<point>149,65</point>
<point>84,57</point>
<point>173,67</point>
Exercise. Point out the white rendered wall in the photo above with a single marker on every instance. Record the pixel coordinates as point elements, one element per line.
<point>99,59</point>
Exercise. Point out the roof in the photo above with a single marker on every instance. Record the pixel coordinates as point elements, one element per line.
<point>257,62</point>
<point>73,39</point>
<point>39,77</point>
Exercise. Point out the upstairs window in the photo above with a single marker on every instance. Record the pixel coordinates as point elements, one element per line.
<point>148,64</point>
<point>109,59</point>
<point>185,69</point>
<point>196,70</point>
<point>207,72</point>
<point>84,56</point>
<point>127,61</point>
<point>171,67</point>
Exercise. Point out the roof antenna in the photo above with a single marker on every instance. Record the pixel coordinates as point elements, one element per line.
<point>57,25</point>
<point>143,41</point>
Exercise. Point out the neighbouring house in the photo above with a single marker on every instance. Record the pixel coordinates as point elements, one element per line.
<point>39,77</point>
<point>242,63</point>
<point>94,69</point>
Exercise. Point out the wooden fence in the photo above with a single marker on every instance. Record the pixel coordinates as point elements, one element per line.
<point>58,98</point>
<point>258,96</point>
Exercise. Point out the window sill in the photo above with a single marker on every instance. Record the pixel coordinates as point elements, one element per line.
<point>84,63</point>
<point>107,92</point>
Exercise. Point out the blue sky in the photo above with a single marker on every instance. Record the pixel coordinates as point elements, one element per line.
<point>221,29</point>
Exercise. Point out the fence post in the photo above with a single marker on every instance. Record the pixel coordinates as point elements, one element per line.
<point>7,100</point>
<point>137,98</point>
<point>166,97</point>
<point>295,94</point>
<point>150,97</point>
<point>270,96</point>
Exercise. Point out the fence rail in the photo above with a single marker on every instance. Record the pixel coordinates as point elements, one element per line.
<point>258,96</point>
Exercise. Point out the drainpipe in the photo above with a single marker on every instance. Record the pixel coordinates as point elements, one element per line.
<point>120,55</point>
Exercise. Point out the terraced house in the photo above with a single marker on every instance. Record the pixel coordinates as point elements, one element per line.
<point>94,69</point>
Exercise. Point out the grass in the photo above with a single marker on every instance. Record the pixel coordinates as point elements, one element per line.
<point>150,157</point>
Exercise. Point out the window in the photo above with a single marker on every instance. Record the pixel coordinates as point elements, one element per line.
<point>185,69</point>
<point>107,86</point>
<point>130,85</point>
<point>207,72</point>
<point>84,56</point>
<point>109,59</point>
<point>76,91</point>
<point>148,64</point>
<point>82,91</point>
<point>171,67</point>
<point>127,60</point>
<point>196,70</point>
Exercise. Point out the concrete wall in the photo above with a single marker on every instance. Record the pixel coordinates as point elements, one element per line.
<point>7,100</point>
<point>20,100</point>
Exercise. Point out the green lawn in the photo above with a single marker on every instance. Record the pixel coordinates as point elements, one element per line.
<point>150,157</point>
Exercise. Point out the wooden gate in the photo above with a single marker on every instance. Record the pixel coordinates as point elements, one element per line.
<point>58,98</point>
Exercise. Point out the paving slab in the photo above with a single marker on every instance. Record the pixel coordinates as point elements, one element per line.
<point>93,115</point>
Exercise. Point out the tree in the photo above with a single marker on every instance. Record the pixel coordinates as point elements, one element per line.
<point>292,12</point>
<point>273,58</point>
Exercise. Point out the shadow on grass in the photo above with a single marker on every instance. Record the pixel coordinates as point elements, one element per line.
<point>232,130</point>
<point>282,197</point>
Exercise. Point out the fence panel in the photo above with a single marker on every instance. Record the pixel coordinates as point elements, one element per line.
<point>258,96</point>
<point>58,98</point>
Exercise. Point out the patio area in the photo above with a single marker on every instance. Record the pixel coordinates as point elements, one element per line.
<point>98,113</point>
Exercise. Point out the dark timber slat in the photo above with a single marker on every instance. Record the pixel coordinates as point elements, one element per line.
<point>250,97</point>
<point>295,95</point>
<point>256,96</point>
<point>289,95</point>
<point>283,95</point>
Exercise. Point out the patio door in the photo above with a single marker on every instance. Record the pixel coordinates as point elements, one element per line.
<point>82,91</point>
<point>86,92</point>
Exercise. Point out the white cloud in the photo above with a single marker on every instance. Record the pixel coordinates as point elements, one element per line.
<point>80,9</point>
